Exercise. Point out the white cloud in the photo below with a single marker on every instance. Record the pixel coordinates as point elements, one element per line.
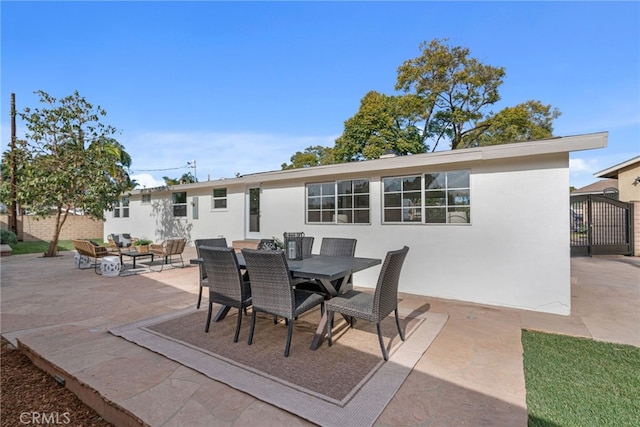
<point>145,180</point>
<point>579,165</point>
<point>581,171</point>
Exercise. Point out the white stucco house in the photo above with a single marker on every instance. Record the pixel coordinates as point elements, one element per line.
<point>486,225</point>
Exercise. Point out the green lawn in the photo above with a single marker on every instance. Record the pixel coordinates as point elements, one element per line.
<point>580,382</point>
<point>42,246</point>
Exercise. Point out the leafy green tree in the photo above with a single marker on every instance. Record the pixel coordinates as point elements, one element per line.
<point>446,97</point>
<point>455,89</point>
<point>68,162</point>
<point>383,123</point>
<point>186,178</point>
<point>528,121</point>
<point>312,156</point>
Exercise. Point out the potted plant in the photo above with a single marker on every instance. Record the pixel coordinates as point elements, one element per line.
<point>142,245</point>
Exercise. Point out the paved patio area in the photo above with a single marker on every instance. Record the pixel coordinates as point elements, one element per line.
<point>471,375</point>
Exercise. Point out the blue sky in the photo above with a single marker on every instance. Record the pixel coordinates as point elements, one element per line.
<point>239,87</point>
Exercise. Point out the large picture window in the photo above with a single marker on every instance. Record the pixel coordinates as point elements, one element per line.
<point>432,198</point>
<point>219,198</point>
<point>339,202</point>
<point>179,200</point>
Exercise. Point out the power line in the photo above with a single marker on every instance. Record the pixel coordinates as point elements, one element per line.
<point>160,170</point>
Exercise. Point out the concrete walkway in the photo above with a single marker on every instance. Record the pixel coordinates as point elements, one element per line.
<point>471,375</point>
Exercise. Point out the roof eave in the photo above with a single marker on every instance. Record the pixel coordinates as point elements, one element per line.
<point>511,150</point>
<point>612,172</point>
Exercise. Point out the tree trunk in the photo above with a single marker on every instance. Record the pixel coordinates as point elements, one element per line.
<point>52,251</point>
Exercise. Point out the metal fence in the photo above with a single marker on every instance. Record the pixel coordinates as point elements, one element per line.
<point>600,225</point>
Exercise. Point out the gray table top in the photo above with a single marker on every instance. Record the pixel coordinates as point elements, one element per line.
<point>319,266</point>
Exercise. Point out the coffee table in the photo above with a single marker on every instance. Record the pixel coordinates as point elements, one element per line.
<point>135,255</point>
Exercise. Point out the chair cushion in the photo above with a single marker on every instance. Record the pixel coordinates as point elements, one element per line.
<point>353,303</point>
<point>124,242</point>
<point>268,245</point>
<point>305,300</point>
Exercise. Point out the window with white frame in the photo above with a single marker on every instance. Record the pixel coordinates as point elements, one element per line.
<point>339,202</point>
<point>219,198</point>
<point>179,200</point>
<point>432,198</point>
<point>121,208</point>
<point>116,209</point>
<point>146,199</point>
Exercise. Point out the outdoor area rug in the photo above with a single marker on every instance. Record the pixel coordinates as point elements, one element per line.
<point>144,266</point>
<point>345,384</point>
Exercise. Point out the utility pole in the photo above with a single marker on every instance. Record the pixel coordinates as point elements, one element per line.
<point>195,171</point>
<point>13,209</point>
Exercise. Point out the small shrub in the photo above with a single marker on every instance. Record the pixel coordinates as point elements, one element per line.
<point>8,237</point>
<point>142,242</point>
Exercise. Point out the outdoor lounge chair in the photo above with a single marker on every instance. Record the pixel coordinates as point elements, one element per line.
<point>218,242</point>
<point>168,249</point>
<point>226,285</point>
<point>272,292</point>
<point>372,307</point>
<point>118,242</point>
<point>91,250</point>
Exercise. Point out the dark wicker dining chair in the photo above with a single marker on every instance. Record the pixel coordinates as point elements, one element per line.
<point>218,242</point>
<point>307,246</point>
<point>372,307</point>
<point>338,246</point>
<point>226,285</point>
<point>272,291</point>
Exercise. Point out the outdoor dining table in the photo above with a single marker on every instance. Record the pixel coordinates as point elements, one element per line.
<point>324,270</point>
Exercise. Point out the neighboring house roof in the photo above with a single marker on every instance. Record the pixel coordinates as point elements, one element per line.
<point>613,171</point>
<point>597,187</point>
<point>495,152</point>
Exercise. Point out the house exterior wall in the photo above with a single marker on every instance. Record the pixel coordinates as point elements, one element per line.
<point>155,220</point>
<point>514,253</point>
<point>628,192</point>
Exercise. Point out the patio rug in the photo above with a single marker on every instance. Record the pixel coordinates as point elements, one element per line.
<point>345,384</point>
<point>144,266</point>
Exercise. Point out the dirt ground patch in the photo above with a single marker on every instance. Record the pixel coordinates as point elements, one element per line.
<point>30,396</point>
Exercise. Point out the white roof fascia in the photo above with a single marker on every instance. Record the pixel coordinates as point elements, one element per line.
<point>548,146</point>
<point>609,171</point>
<point>501,151</point>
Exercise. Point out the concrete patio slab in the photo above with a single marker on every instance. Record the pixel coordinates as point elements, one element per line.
<point>472,374</point>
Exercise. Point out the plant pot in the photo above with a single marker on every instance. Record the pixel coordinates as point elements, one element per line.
<point>143,249</point>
